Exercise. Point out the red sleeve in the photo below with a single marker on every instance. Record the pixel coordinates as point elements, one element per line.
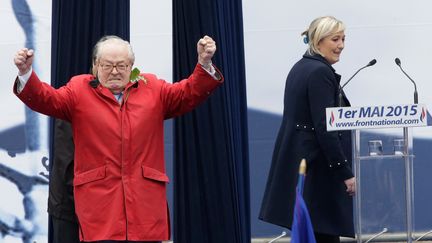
<point>183,96</point>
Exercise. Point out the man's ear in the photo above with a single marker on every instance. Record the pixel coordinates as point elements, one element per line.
<point>94,69</point>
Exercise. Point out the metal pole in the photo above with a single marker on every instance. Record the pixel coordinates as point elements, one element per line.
<point>408,183</point>
<point>356,155</point>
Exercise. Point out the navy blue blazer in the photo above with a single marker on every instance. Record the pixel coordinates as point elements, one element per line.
<point>312,85</point>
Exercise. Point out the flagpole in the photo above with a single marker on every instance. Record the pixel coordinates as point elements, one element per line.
<point>302,230</point>
<point>302,173</point>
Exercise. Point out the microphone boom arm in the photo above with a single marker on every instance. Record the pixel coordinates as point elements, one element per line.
<point>353,76</point>
<point>371,63</point>
<point>341,87</point>
<point>415,85</point>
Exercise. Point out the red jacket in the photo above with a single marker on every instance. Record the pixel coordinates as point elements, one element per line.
<point>119,174</point>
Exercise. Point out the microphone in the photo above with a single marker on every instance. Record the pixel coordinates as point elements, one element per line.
<point>278,237</point>
<point>371,63</point>
<point>398,62</point>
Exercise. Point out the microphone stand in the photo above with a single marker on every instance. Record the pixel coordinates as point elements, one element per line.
<point>415,86</point>
<point>342,86</point>
<point>278,237</point>
<point>371,63</point>
<point>408,166</point>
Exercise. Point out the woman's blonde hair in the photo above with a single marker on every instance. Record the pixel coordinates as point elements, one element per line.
<point>319,29</point>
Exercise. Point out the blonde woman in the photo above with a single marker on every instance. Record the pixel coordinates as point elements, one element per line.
<point>311,86</point>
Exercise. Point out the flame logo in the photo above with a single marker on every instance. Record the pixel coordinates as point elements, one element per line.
<point>331,121</point>
<point>423,114</point>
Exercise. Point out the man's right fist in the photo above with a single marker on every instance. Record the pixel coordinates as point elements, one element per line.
<point>23,60</point>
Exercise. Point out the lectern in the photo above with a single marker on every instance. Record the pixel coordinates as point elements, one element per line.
<point>383,158</point>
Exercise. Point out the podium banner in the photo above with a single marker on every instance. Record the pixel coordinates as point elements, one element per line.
<point>367,117</point>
